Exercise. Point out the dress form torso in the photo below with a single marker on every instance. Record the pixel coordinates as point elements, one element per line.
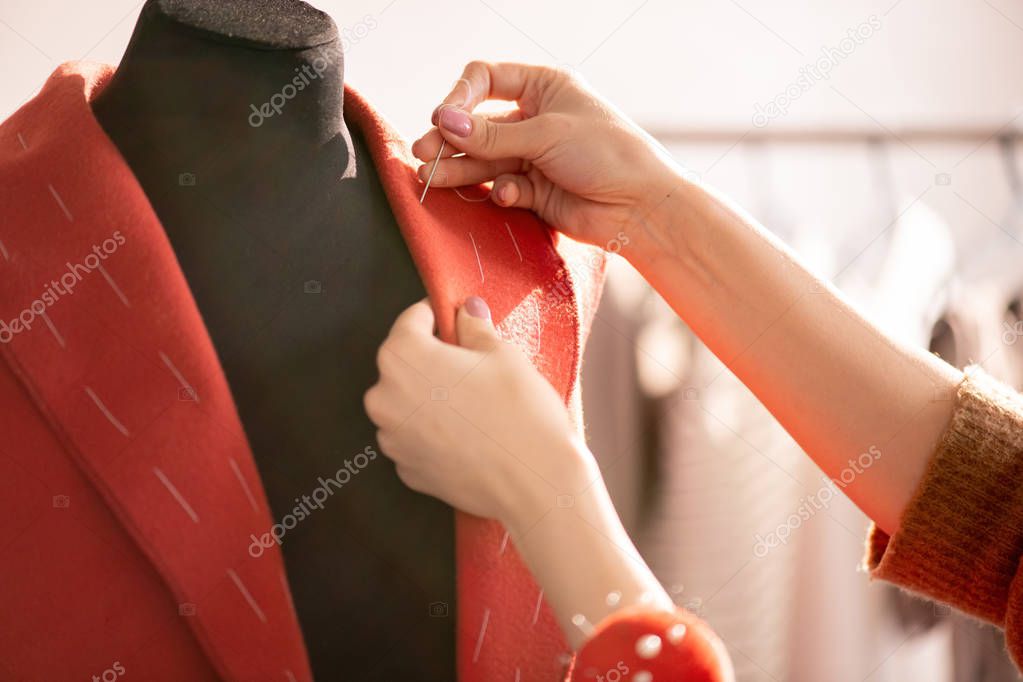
<point>286,238</point>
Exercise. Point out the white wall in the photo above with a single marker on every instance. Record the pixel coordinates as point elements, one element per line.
<point>694,64</point>
<point>663,61</point>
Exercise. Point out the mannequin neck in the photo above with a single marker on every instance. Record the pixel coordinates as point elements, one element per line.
<point>235,88</point>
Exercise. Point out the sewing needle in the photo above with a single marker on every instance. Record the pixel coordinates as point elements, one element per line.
<point>434,170</point>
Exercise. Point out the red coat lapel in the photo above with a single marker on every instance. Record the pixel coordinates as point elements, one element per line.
<point>114,363</point>
<point>542,292</point>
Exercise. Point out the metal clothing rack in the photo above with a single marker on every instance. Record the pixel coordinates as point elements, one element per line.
<point>835,134</point>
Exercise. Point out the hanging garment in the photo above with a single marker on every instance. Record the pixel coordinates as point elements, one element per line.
<point>619,431</point>
<point>981,325</point>
<point>748,532</point>
<point>846,628</point>
<point>129,495</point>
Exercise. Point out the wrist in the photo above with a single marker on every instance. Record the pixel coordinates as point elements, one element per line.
<point>569,468</point>
<point>657,229</point>
<point>581,555</point>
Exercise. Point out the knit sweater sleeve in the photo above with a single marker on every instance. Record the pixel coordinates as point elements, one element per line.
<point>961,536</point>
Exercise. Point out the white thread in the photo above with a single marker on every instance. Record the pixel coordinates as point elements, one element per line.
<point>176,494</point>
<point>478,261</point>
<point>106,413</point>
<point>245,593</point>
<point>53,329</point>
<point>60,202</point>
<point>113,285</point>
<point>179,376</point>
<point>483,632</point>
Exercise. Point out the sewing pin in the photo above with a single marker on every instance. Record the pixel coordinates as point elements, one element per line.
<point>434,170</point>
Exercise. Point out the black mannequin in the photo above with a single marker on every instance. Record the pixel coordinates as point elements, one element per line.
<point>287,241</point>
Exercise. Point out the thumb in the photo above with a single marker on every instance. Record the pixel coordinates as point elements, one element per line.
<point>487,138</point>
<point>475,328</point>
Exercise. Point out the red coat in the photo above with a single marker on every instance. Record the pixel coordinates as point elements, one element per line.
<point>126,506</point>
<point>128,492</point>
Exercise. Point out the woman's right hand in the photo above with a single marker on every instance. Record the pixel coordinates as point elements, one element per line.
<point>565,153</point>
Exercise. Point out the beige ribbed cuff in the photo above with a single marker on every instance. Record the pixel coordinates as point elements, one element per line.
<point>961,536</point>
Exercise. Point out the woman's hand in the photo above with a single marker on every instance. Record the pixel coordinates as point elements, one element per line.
<point>474,425</point>
<point>795,343</point>
<point>564,153</point>
<point>478,427</point>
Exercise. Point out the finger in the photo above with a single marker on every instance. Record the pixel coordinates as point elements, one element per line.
<point>425,148</point>
<point>410,477</point>
<point>513,190</point>
<point>388,442</point>
<point>417,319</point>
<point>486,80</point>
<point>535,192</point>
<point>467,171</point>
<point>475,327</point>
<point>483,138</point>
<point>375,404</point>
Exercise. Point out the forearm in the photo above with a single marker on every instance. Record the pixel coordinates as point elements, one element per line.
<point>837,383</point>
<point>580,554</point>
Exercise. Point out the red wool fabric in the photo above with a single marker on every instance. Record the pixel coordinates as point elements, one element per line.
<point>128,493</point>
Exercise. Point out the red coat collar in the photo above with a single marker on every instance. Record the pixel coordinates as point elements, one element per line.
<point>114,355</point>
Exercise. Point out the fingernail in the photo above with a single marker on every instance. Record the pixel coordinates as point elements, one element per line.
<point>477,307</point>
<point>504,194</point>
<point>435,116</point>
<point>423,173</point>
<point>455,121</point>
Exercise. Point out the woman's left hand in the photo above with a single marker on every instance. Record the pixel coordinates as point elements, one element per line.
<point>475,425</point>
<point>478,427</point>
